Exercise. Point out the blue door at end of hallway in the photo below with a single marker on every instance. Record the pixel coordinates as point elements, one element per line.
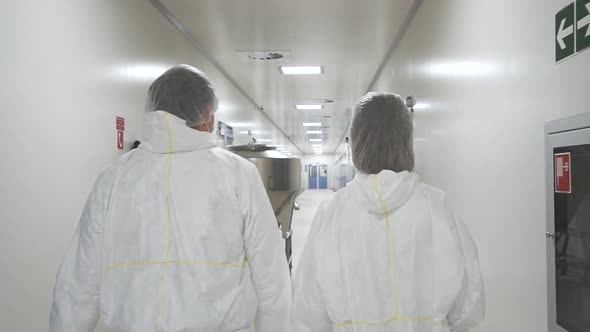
<point>317,176</point>
<point>564,33</point>
<point>582,24</point>
<point>312,176</point>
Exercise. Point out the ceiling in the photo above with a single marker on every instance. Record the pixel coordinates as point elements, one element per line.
<point>349,38</point>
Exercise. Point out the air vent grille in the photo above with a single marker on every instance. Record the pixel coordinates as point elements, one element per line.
<point>265,55</point>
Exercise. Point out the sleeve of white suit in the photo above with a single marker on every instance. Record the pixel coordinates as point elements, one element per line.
<point>469,308</point>
<point>76,295</point>
<point>265,251</point>
<point>309,314</point>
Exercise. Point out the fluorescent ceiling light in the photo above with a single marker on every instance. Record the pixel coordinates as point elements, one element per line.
<point>314,132</point>
<point>252,132</point>
<point>420,106</point>
<point>316,140</point>
<point>317,153</point>
<point>309,107</point>
<point>301,70</point>
<point>312,124</point>
<point>263,140</point>
<point>317,145</point>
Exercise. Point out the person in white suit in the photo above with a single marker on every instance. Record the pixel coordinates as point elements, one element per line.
<point>387,253</point>
<point>177,235</point>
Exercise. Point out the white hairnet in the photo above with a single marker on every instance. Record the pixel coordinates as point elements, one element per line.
<point>382,134</point>
<point>183,91</point>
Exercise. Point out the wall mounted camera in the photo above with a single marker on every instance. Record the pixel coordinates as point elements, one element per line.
<point>410,103</point>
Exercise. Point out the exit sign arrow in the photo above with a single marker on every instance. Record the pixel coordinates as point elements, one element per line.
<point>585,22</point>
<point>563,33</point>
<point>565,36</point>
<point>583,28</point>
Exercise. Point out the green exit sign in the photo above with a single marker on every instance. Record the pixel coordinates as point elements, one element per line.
<point>572,29</point>
<point>565,43</point>
<point>582,24</point>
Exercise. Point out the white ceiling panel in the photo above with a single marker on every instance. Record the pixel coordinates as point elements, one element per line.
<point>349,38</point>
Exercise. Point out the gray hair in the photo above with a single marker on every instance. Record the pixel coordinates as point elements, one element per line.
<point>183,91</point>
<point>382,134</point>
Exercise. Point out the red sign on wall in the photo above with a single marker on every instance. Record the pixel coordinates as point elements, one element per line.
<point>120,123</point>
<point>563,175</point>
<point>120,140</point>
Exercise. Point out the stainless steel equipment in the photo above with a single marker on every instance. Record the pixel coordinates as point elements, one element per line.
<point>281,175</point>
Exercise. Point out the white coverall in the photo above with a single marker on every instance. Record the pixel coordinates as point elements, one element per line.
<point>178,235</point>
<point>387,254</point>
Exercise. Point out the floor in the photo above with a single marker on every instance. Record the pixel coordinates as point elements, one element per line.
<point>309,201</point>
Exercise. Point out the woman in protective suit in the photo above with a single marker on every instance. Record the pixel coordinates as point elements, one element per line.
<point>387,253</point>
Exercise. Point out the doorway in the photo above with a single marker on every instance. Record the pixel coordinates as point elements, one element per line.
<point>317,176</point>
<point>568,224</point>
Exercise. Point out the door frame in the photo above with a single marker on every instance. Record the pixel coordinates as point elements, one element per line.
<point>565,132</point>
<point>317,167</point>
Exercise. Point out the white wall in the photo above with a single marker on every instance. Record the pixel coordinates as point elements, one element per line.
<point>325,159</point>
<point>68,68</point>
<point>486,68</point>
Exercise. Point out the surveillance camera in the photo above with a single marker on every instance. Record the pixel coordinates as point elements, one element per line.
<point>410,102</point>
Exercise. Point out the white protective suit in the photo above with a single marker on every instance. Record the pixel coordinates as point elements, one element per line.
<point>387,254</point>
<point>178,235</point>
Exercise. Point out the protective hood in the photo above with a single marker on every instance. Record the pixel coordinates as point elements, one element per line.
<point>395,189</point>
<point>166,133</point>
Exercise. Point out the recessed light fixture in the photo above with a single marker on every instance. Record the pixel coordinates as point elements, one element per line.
<point>314,132</point>
<point>318,153</point>
<point>316,140</point>
<point>312,124</point>
<point>420,106</point>
<point>309,107</point>
<point>263,140</point>
<point>301,70</point>
<point>317,145</point>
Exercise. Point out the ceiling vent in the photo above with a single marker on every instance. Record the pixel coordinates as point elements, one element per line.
<point>265,55</point>
<point>321,101</point>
